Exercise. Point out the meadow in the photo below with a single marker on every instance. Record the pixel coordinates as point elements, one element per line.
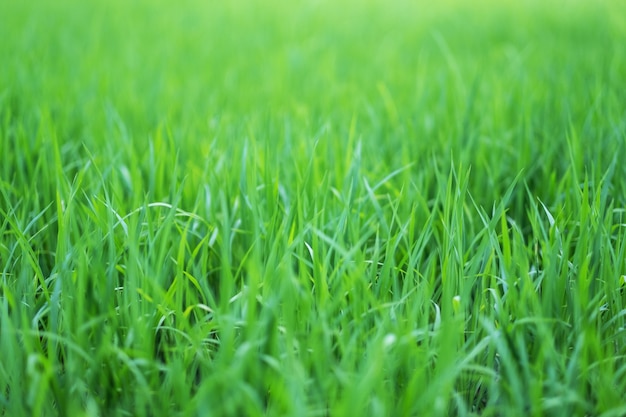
<point>312,208</point>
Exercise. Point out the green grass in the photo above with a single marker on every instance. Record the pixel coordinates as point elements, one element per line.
<point>316,208</point>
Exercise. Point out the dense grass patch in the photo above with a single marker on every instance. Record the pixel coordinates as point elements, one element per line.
<point>316,208</point>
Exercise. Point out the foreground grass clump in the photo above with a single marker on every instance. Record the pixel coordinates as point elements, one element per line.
<point>379,208</point>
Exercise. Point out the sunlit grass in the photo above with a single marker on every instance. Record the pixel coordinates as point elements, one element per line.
<point>323,208</point>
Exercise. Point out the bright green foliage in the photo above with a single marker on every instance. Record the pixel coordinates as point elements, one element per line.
<point>314,208</point>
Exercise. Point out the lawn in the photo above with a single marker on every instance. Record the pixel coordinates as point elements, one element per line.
<point>312,208</point>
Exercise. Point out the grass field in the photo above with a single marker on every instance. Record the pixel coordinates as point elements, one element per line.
<point>313,208</point>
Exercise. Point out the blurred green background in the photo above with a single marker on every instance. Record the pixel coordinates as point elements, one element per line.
<point>484,82</point>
